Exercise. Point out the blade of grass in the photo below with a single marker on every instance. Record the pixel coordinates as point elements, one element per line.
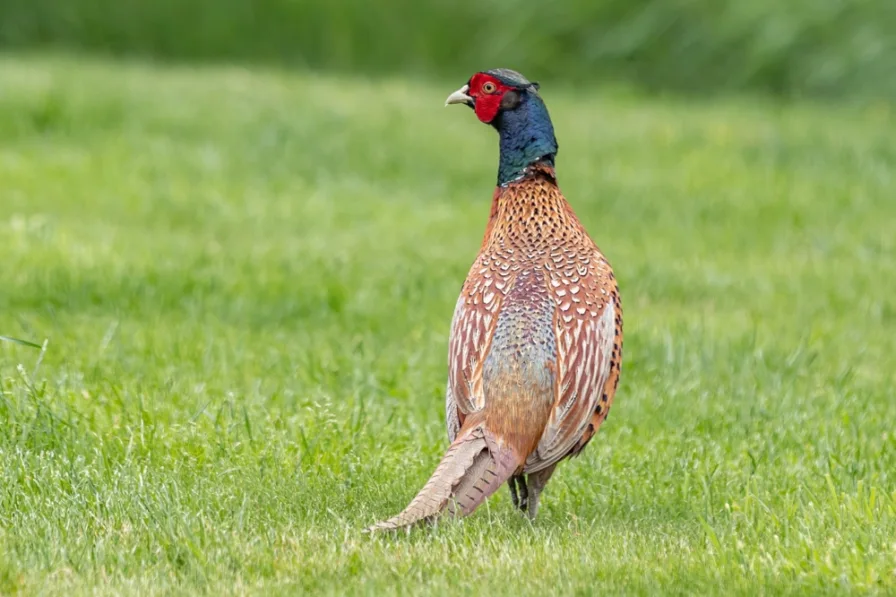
<point>20,341</point>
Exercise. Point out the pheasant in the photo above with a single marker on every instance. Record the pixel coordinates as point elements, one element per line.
<point>535,345</point>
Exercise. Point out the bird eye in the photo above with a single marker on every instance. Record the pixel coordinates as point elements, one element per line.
<point>489,87</point>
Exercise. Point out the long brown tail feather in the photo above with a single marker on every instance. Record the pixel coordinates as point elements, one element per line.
<point>473,468</point>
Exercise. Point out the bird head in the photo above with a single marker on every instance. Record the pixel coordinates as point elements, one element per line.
<point>493,91</point>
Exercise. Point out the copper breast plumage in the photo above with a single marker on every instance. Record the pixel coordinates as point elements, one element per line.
<point>543,298</point>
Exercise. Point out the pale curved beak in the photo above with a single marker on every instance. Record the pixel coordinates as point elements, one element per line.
<point>460,97</point>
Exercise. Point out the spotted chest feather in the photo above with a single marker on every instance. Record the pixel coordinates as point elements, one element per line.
<point>540,300</point>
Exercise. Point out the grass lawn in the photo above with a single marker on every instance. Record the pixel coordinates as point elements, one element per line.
<point>246,280</point>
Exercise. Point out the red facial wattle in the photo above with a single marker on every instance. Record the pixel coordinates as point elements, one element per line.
<point>487,91</point>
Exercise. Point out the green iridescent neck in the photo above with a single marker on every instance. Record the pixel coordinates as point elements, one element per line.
<point>526,137</point>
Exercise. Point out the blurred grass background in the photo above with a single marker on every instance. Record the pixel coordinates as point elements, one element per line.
<point>245,263</point>
<point>247,277</point>
<point>829,48</point>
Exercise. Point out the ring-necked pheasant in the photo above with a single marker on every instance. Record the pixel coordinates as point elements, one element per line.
<point>536,339</point>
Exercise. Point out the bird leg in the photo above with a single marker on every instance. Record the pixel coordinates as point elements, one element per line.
<point>520,500</point>
<point>513,495</point>
<point>537,481</point>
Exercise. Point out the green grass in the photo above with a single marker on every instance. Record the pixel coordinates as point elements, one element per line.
<point>246,280</point>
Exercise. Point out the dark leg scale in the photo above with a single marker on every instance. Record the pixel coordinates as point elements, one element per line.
<point>519,492</point>
<point>524,494</point>
<point>537,481</point>
<point>513,495</point>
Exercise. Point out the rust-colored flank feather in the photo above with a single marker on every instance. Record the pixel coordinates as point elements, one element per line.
<point>534,352</point>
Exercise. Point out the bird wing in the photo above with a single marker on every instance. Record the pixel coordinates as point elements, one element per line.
<point>585,324</point>
<point>472,330</point>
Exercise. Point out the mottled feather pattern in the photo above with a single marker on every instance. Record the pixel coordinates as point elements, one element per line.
<point>472,469</point>
<point>533,233</point>
<point>536,338</point>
